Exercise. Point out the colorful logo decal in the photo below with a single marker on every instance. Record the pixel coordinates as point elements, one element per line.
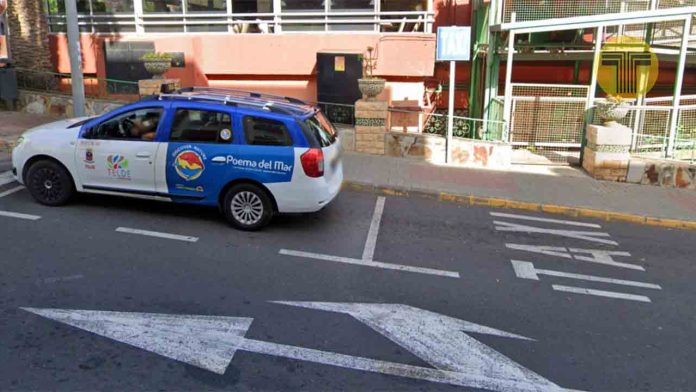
<point>225,134</point>
<point>628,67</point>
<point>189,165</point>
<point>117,167</point>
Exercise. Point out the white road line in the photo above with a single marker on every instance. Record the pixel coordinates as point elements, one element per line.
<point>19,215</point>
<point>11,191</point>
<point>601,293</point>
<point>371,242</point>
<point>370,263</point>
<point>157,234</point>
<point>526,270</point>
<point>534,218</point>
<point>6,178</point>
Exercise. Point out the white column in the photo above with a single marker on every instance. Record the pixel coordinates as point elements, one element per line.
<point>230,24</point>
<point>450,111</point>
<point>507,106</point>
<point>277,9</point>
<point>138,11</point>
<point>674,119</point>
<point>599,32</point>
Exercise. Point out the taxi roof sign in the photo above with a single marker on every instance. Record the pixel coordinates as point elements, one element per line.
<point>453,43</point>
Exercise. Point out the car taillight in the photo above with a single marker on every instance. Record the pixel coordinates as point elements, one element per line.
<point>313,162</point>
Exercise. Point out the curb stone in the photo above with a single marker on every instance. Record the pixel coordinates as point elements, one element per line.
<point>472,200</point>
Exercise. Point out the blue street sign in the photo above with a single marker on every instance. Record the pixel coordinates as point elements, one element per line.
<point>453,43</point>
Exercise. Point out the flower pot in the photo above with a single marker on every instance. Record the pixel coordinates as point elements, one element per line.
<point>611,112</point>
<point>157,67</point>
<point>371,87</point>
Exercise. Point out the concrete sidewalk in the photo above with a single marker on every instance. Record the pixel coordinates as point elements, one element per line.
<point>542,188</point>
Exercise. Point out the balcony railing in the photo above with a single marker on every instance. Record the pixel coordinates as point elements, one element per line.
<point>268,23</point>
<point>529,10</point>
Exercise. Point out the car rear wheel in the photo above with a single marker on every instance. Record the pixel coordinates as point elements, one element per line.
<point>248,207</point>
<point>49,183</point>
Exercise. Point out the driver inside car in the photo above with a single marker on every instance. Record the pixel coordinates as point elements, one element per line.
<point>144,128</point>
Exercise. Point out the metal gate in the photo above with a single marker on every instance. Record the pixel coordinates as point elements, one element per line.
<point>546,122</point>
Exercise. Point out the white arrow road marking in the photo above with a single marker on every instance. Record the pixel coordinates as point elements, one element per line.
<point>11,191</point>
<point>157,234</point>
<point>601,293</point>
<point>368,263</point>
<point>18,215</point>
<point>580,235</point>
<point>6,178</point>
<point>209,342</point>
<point>526,270</point>
<point>442,342</point>
<point>537,219</point>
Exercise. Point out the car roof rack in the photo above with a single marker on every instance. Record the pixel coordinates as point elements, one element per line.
<point>240,98</point>
<point>242,93</point>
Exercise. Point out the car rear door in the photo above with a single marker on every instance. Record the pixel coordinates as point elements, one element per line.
<point>200,138</point>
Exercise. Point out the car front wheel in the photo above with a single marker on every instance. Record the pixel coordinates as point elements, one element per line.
<point>49,183</point>
<point>248,207</point>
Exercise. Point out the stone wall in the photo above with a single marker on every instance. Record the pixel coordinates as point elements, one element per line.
<point>663,173</point>
<point>29,34</point>
<point>465,152</point>
<point>61,105</point>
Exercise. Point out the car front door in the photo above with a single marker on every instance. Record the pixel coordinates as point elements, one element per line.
<point>118,154</point>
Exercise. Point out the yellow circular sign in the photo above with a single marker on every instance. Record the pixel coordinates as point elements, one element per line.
<point>627,67</point>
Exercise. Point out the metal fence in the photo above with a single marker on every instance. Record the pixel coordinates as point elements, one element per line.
<point>59,83</point>
<point>528,10</point>
<point>420,121</point>
<point>650,124</point>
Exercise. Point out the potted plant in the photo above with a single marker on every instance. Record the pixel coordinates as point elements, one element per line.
<point>612,110</point>
<point>157,63</point>
<point>370,85</point>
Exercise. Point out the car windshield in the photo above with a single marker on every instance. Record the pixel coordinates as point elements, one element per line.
<point>322,129</point>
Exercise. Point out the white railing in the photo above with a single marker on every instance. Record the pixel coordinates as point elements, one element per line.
<point>528,10</point>
<point>315,21</point>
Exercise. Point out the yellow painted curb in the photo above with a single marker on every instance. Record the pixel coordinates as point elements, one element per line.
<point>523,205</point>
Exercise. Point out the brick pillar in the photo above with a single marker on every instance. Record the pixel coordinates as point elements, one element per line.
<point>370,126</point>
<point>28,29</point>
<point>606,155</point>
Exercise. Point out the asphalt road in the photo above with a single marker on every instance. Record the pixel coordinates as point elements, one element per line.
<point>435,258</point>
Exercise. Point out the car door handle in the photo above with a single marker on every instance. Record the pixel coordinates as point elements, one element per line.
<point>143,155</point>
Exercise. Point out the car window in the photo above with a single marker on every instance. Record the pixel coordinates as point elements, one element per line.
<point>322,129</point>
<point>266,132</point>
<point>139,124</point>
<point>201,126</point>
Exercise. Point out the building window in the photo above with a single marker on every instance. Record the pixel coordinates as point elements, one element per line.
<point>302,22</point>
<point>349,6</point>
<point>112,6</point>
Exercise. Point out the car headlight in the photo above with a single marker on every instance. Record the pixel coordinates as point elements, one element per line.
<point>19,141</point>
